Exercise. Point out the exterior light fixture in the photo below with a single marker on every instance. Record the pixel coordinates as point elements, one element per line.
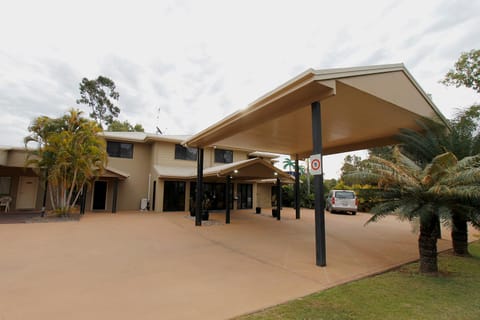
<point>275,173</point>
<point>235,171</point>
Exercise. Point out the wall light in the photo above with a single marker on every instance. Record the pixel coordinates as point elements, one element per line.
<point>235,171</point>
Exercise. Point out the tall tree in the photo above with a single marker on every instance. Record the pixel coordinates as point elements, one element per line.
<point>350,163</point>
<point>70,151</point>
<point>124,126</point>
<point>382,152</point>
<point>462,138</point>
<point>288,164</point>
<point>100,95</point>
<point>466,71</point>
<point>423,194</point>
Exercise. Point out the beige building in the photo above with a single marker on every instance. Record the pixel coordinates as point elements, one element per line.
<point>153,172</point>
<point>333,110</point>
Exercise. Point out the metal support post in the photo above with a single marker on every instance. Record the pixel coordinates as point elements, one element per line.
<point>279,198</point>
<point>227,199</point>
<point>318,184</point>
<point>199,199</point>
<point>297,189</point>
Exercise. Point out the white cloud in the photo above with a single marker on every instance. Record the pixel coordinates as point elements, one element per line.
<point>200,60</point>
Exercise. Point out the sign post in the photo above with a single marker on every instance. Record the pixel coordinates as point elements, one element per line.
<point>316,169</point>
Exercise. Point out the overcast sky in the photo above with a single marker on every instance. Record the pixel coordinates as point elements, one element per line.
<point>183,65</point>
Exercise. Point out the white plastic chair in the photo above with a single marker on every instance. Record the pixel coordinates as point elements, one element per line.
<point>5,202</point>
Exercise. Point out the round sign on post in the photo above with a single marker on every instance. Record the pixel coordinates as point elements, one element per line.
<point>316,164</point>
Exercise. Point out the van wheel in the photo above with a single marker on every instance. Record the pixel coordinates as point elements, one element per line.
<point>354,213</point>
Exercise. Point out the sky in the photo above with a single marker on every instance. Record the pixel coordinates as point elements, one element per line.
<point>184,65</point>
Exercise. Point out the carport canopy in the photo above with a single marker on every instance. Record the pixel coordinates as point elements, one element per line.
<point>324,112</point>
<point>361,107</point>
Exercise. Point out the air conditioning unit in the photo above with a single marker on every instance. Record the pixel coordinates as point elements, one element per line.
<point>143,204</point>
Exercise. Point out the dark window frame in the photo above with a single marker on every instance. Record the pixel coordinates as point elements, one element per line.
<point>185,153</point>
<point>7,184</point>
<point>118,149</point>
<point>223,156</point>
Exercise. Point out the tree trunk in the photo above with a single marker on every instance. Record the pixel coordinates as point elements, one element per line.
<point>427,246</point>
<point>459,236</point>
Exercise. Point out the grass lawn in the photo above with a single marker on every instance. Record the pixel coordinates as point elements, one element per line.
<point>399,294</point>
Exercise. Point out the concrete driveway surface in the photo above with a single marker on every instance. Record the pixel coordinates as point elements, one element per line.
<point>160,266</point>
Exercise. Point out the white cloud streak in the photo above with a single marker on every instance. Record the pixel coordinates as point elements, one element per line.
<point>198,61</point>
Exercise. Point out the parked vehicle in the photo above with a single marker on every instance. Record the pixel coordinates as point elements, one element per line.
<point>342,201</point>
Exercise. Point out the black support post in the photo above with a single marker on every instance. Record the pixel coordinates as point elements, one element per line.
<point>318,184</point>
<point>198,204</point>
<point>227,199</point>
<point>115,196</point>
<point>297,189</point>
<point>279,198</point>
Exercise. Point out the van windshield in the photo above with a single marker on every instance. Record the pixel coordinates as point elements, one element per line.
<point>344,195</point>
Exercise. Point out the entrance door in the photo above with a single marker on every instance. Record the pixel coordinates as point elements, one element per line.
<point>100,195</point>
<point>245,192</point>
<point>174,196</point>
<point>27,192</point>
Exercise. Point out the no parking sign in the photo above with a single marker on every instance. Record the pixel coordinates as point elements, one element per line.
<point>316,164</point>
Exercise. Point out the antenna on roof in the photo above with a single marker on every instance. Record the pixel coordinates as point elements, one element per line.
<point>158,122</point>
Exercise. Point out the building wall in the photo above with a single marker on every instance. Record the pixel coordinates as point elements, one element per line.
<point>16,158</point>
<point>19,171</point>
<point>165,156</point>
<point>264,195</point>
<point>135,187</point>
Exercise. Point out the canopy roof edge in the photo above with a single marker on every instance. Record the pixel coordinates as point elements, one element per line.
<point>362,107</point>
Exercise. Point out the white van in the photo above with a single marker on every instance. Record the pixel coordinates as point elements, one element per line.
<point>342,201</point>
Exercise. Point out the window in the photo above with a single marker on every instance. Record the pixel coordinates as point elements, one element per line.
<point>120,149</point>
<point>223,156</point>
<point>345,195</point>
<point>5,183</point>
<point>184,153</point>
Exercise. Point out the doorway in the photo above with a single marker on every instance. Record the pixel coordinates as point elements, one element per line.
<point>99,195</point>
<point>174,196</point>
<point>27,192</point>
<point>245,196</point>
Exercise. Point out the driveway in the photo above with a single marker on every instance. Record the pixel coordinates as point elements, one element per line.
<point>160,266</point>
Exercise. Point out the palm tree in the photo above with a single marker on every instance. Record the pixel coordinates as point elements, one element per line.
<point>463,140</point>
<point>411,192</point>
<point>72,153</point>
<point>288,164</point>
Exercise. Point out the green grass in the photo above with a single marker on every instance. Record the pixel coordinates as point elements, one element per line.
<point>399,294</point>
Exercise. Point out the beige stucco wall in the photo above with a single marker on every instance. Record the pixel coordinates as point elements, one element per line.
<point>240,155</point>
<point>264,195</point>
<point>159,195</point>
<point>16,158</point>
<point>135,187</point>
<point>209,157</point>
<point>165,156</point>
